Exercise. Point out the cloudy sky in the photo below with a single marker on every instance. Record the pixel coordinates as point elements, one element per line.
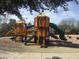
<point>54,17</point>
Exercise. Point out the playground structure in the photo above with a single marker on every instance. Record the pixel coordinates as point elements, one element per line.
<point>41,24</point>
<point>41,32</point>
<point>19,31</point>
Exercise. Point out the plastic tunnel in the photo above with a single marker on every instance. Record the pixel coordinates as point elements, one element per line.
<point>60,31</point>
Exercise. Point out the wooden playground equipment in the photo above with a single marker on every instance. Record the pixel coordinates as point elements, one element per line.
<point>19,31</point>
<point>41,24</point>
<point>41,31</point>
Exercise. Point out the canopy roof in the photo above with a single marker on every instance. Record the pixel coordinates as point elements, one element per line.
<point>21,21</point>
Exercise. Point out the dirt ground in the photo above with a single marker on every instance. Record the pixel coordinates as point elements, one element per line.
<point>64,50</point>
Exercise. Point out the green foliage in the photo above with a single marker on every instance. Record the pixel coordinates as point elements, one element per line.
<point>70,26</point>
<point>5,27</point>
<point>13,6</point>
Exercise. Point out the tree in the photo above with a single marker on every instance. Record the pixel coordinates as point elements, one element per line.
<point>13,6</point>
<point>6,27</point>
<point>69,25</point>
<point>3,29</point>
<point>11,24</point>
<point>77,27</point>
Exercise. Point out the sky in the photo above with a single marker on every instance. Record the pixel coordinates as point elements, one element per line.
<point>54,17</point>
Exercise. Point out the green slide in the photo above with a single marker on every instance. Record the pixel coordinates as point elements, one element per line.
<point>60,31</point>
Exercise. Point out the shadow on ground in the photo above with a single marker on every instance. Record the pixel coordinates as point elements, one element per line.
<point>20,47</point>
<point>62,44</point>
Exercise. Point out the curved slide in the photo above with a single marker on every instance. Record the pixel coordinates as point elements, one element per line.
<point>60,31</point>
